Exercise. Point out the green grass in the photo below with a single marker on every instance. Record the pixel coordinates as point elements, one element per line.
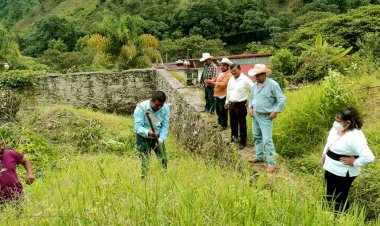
<point>106,189</point>
<point>179,77</point>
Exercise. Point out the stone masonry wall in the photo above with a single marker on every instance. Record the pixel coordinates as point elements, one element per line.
<point>193,127</point>
<point>112,92</point>
<point>119,92</point>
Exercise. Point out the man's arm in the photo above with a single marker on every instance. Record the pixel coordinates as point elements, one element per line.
<point>164,126</point>
<point>29,172</point>
<point>280,98</point>
<point>139,117</point>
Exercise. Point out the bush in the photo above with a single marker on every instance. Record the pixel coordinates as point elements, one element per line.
<point>369,46</point>
<point>284,65</point>
<point>317,59</point>
<point>18,79</point>
<point>9,105</point>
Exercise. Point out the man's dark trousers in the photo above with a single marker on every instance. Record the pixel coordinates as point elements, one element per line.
<point>221,111</point>
<point>210,99</point>
<point>238,122</point>
<point>144,147</point>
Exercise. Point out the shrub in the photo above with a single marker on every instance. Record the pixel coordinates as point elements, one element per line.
<point>284,65</point>
<point>369,46</point>
<point>9,105</point>
<point>318,58</point>
<point>18,79</point>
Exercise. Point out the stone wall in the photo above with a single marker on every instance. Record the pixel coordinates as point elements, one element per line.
<point>194,128</point>
<point>112,92</point>
<point>119,92</point>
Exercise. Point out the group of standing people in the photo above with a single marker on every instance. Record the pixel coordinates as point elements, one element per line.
<point>235,94</point>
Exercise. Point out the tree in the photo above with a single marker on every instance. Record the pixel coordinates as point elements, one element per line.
<point>47,29</point>
<point>194,45</point>
<point>343,30</point>
<point>9,50</point>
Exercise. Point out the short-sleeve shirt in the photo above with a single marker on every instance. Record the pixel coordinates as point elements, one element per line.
<point>10,186</point>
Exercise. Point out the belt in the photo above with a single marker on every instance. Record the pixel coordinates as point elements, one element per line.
<point>238,103</point>
<point>262,113</point>
<point>336,156</point>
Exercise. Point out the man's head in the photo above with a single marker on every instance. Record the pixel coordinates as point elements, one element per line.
<point>158,100</point>
<point>225,64</point>
<point>260,71</point>
<point>208,61</point>
<point>236,70</point>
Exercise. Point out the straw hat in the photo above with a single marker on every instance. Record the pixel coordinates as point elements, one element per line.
<point>258,69</point>
<point>205,56</point>
<point>225,61</point>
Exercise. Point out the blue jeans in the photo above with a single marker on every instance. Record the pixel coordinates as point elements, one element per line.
<point>262,126</point>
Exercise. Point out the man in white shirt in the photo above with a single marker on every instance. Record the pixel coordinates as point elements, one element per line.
<point>238,89</point>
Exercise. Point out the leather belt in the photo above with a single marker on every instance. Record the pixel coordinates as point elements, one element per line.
<point>336,156</point>
<point>262,113</point>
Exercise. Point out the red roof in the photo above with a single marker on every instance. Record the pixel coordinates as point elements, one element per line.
<point>240,56</point>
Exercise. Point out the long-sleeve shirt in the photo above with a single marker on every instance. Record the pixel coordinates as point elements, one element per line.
<point>209,72</point>
<point>141,125</point>
<point>238,89</point>
<point>352,143</point>
<point>269,98</point>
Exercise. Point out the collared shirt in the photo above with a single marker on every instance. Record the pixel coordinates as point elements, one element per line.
<point>269,98</point>
<point>351,143</point>
<point>238,89</point>
<point>142,124</point>
<point>209,72</point>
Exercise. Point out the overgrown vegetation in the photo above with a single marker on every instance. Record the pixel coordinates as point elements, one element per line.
<point>77,186</point>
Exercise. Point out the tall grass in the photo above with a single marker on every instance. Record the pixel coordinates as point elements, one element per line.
<point>105,189</point>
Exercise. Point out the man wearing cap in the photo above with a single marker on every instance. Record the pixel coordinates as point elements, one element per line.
<point>209,72</point>
<point>267,99</point>
<point>220,91</point>
<point>238,89</point>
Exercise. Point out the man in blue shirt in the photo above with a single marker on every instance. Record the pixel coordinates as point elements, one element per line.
<point>148,138</point>
<point>267,99</point>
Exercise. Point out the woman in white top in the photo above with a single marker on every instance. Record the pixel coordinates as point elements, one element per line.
<point>346,150</point>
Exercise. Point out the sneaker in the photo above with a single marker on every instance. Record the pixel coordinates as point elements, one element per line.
<point>254,160</point>
<point>270,169</point>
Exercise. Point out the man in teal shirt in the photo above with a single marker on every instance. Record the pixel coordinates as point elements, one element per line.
<point>148,138</point>
<point>267,99</point>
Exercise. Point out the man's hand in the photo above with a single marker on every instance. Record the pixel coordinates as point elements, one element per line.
<point>29,179</point>
<point>159,144</point>
<point>322,160</point>
<point>226,106</point>
<point>347,160</point>
<point>250,111</point>
<point>153,134</point>
<point>273,115</point>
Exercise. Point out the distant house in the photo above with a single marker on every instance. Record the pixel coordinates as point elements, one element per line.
<point>246,61</point>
